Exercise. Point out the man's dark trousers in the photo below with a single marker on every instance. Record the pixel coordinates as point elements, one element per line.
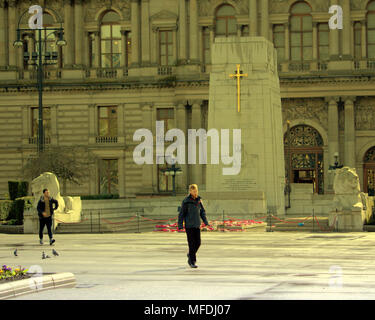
<point>194,241</point>
<point>45,222</point>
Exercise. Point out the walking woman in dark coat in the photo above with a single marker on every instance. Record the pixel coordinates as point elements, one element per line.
<point>192,211</point>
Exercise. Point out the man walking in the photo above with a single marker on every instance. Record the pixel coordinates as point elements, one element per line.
<point>45,212</point>
<point>191,211</point>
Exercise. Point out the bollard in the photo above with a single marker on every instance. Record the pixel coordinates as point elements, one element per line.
<point>313,221</point>
<point>223,221</point>
<point>91,220</point>
<point>138,221</point>
<point>99,219</point>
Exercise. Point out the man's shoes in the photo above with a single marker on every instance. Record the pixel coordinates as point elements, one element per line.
<point>40,241</point>
<point>51,242</point>
<point>191,264</point>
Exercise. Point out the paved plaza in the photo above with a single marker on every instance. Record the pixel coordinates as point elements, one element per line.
<point>252,265</point>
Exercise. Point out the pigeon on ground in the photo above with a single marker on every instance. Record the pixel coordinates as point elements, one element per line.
<point>15,252</point>
<point>44,256</point>
<point>55,253</point>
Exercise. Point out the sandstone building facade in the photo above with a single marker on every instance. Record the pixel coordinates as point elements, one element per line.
<point>129,63</point>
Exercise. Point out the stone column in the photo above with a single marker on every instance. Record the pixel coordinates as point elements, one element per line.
<point>30,48</point>
<point>193,28</point>
<point>147,169</point>
<point>334,39</point>
<point>253,18</point>
<point>212,35</point>
<point>265,22</point>
<point>92,123</point>
<point>145,30</point>
<point>54,118</point>
<point>182,31</point>
<point>12,33</point>
<point>349,132</point>
<point>85,53</point>
<point>121,175</point>
<point>364,39</point>
<point>239,30</point>
<point>3,31</point>
<point>96,49</point>
<point>174,37</point>
<point>333,129</point>
<point>315,41</point>
<point>135,32</point>
<point>196,169</point>
<point>287,49</point>
<point>154,46</point>
<point>182,182</point>
<point>19,57</point>
<point>121,123</point>
<point>69,35</point>
<point>123,48</point>
<point>346,52</point>
<point>78,31</point>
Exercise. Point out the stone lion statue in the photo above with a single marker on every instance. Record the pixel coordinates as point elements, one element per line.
<point>347,189</point>
<point>49,181</point>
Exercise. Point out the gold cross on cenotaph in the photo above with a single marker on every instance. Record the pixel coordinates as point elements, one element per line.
<point>238,75</point>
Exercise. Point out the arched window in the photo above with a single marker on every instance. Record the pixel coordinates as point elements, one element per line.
<point>371,30</point>
<point>225,22</point>
<point>110,37</point>
<point>301,32</point>
<point>48,38</point>
<point>303,147</point>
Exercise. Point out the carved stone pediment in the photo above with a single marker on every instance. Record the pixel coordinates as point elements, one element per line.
<point>164,18</point>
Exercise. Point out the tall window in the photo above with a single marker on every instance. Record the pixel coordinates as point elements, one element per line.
<point>371,30</point>
<point>35,121</point>
<point>166,47</point>
<point>226,24</point>
<point>26,49</point>
<point>279,41</point>
<point>166,115</point>
<point>323,41</point>
<point>110,40</point>
<point>357,40</point>
<point>108,121</point>
<point>301,32</point>
<point>108,176</point>
<point>48,39</point>
<point>206,46</point>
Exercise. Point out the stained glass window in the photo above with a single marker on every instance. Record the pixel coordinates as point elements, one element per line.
<point>303,135</point>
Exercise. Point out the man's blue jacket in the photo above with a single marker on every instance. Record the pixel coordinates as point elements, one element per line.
<point>191,211</point>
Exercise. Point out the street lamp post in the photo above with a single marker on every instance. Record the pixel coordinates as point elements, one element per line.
<point>173,171</point>
<point>39,56</point>
<point>332,169</point>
